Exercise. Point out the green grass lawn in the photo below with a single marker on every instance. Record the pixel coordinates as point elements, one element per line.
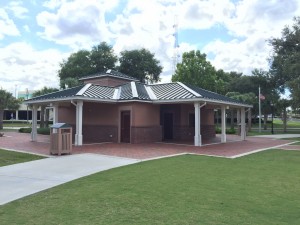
<point>9,157</point>
<point>262,188</point>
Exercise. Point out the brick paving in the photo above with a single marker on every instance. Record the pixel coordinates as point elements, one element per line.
<point>22,142</point>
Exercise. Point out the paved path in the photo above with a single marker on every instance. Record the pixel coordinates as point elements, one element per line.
<point>278,136</point>
<point>20,180</point>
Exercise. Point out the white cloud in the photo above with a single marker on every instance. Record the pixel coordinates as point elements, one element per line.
<point>7,26</point>
<point>26,67</point>
<point>239,56</point>
<point>78,24</point>
<point>18,10</point>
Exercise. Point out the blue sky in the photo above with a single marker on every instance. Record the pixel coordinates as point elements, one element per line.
<point>35,36</point>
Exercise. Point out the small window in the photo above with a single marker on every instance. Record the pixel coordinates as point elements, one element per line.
<point>191,119</point>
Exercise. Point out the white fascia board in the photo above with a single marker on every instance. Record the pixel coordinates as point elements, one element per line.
<point>133,90</point>
<point>189,89</point>
<point>150,93</point>
<point>79,93</point>
<point>200,100</point>
<point>116,93</point>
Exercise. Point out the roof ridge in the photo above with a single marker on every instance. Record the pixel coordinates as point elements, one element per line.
<point>189,89</point>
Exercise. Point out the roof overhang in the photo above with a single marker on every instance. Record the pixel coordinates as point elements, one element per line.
<point>171,101</point>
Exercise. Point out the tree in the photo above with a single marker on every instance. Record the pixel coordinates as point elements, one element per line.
<point>102,57</point>
<point>285,60</point>
<point>196,70</point>
<point>84,62</point>
<point>43,91</point>
<point>282,106</point>
<point>7,101</point>
<point>140,64</point>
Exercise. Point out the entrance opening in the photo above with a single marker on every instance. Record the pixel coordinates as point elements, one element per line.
<point>125,126</point>
<point>168,126</point>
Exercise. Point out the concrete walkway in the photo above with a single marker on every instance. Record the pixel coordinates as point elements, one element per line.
<point>23,179</point>
<point>279,136</point>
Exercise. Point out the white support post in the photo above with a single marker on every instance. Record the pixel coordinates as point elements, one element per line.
<point>78,136</point>
<point>55,113</point>
<point>17,114</point>
<point>34,123</point>
<point>243,124</point>
<point>223,124</point>
<point>197,138</point>
<point>238,117</point>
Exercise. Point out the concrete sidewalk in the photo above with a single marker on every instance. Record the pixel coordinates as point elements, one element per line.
<point>20,180</point>
<point>279,136</point>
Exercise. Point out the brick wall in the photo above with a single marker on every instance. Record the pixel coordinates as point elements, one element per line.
<point>98,133</point>
<point>107,81</point>
<point>187,133</point>
<point>146,134</point>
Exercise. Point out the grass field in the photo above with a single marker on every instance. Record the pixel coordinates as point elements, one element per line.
<point>9,157</point>
<point>262,188</point>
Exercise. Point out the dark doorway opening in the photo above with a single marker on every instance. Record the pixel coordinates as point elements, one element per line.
<point>125,126</point>
<point>168,126</point>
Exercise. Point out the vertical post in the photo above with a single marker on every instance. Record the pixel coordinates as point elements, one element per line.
<point>55,113</point>
<point>243,124</point>
<point>34,123</point>
<point>223,124</point>
<point>197,138</point>
<point>78,136</point>
<point>259,111</point>
<point>17,114</point>
<point>249,119</point>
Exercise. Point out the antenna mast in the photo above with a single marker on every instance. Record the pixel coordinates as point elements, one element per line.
<point>176,45</point>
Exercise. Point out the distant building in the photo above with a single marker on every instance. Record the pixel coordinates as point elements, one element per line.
<point>23,113</point>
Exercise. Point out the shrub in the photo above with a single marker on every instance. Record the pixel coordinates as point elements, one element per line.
<point>228,131</point>
<point>25,130</point>
<point>44,131</point>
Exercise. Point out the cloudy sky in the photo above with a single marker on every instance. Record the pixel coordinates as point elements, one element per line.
<point>35,35</point>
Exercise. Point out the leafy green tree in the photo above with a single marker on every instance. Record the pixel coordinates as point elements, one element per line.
<point>285,60</point>
<point>44,91</point>
<point>102,57</point>
<point>282,106</point>
<point>196,70</point>
<point>84,62</point>
<point>7,101</point>
<point>140,64</point>
<point>69,82</point>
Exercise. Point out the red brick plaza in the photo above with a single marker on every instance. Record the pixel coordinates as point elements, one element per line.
<point>233,148</point>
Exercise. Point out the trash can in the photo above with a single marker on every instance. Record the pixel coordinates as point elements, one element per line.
<point>60,139</point>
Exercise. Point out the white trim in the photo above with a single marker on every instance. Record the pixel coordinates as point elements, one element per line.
<point>189,89</point>
<point>223,124</point>
<point>116,94</point>
<point>82,90</point>
<point>133,90</point>
<point>150,93</point>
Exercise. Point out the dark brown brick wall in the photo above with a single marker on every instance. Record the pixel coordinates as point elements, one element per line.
<point>98,133</point>
<point>146,134</point>
<point>107,81</point>
<point>187,133</point>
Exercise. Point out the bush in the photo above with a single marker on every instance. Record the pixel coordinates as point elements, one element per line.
<point>228,131</point>
<point>25,130</point>
<point>44,131</point>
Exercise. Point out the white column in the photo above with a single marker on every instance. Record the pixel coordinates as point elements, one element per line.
<point>34,123</point>
<point>223,124</point>
<point>197,138</point>
<point>55,113</point>
<point>243,124</point>
<point>17,114</point>
<point>78,135</point>
<point>238,116</point>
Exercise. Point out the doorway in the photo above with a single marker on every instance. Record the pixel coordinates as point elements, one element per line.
<point>125,126</point>
<point>168,126</point>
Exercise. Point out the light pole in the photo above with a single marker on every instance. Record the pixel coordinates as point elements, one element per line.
<point>272,108</point>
